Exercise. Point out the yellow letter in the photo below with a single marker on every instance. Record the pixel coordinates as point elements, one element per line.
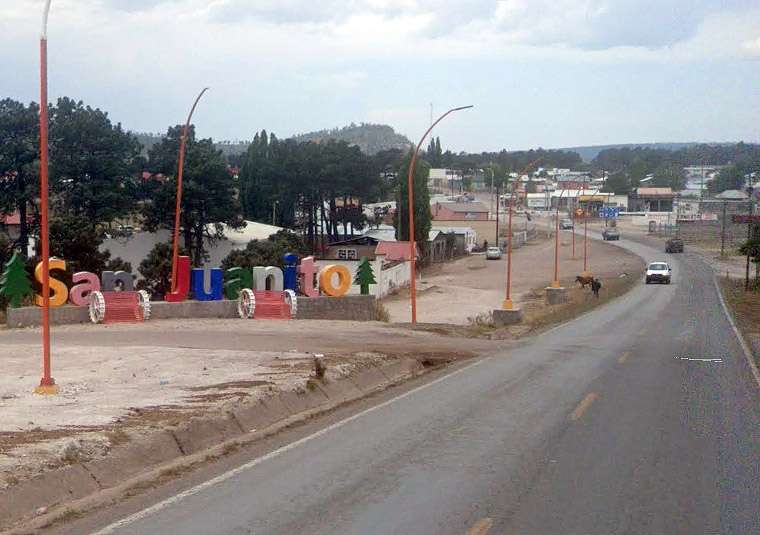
<point>58,291</point>
<point>326,276</point>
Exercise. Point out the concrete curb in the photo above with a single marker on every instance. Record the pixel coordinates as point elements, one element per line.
<point>86,486</point>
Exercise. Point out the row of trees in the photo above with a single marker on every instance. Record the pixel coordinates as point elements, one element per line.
<point>628,166</point>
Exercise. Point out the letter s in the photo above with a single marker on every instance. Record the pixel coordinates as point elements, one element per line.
<point>58,291</point>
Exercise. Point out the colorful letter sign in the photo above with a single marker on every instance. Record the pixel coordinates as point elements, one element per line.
<point>333,280</point>
<point>58,291</point>
<point>326,280</point>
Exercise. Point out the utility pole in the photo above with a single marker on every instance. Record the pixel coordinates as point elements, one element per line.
<point>749,235</point>
<point>497,215</point>
<point>723,231</point>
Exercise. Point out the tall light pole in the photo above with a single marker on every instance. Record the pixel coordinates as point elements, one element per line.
<point>555,282</point>
<point>47,383</point>
<point>410,185</point>
<point>508,304</point>
<point>178,204</point>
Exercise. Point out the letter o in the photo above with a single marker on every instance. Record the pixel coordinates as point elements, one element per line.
<point>326,280</point>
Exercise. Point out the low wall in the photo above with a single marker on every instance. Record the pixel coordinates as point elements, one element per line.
<point>32,316</point>
<point>349,307</point>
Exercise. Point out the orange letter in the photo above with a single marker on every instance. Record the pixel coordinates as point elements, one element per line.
<point>326,276</point>
<point>58,291</point>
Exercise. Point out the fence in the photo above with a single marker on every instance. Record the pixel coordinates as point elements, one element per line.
<point>715,230</point>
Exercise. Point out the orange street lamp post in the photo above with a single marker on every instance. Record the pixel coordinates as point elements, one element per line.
<point>585,243</point>
<point>555,282</point>
<point>178,205</point>
<point>573,217</point>
<point>508,304</point>
<point>412,244</point>
<point>47,383</point>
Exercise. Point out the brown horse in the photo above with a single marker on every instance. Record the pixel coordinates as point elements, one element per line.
<point>584,280</point>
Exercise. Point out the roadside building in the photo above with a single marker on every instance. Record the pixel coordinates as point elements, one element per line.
<point>472,215</point>
<point>351,249</point>
<point>460,211</point>
<point>651,200</point>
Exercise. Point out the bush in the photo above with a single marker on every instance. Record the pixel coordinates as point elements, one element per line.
<point>156,270</point>
<point>267,252</point>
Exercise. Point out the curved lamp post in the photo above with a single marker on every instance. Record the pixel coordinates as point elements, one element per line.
<point>47,383</point>
<point>412,244</point>
<point>178,206</point>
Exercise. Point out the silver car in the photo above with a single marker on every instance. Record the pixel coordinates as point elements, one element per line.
<point>493,253</point>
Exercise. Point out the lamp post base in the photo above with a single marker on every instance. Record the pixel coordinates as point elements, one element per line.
<point>556,295</point>
<point>504,317</point>
<point>46,390</point>
<point>507,304</point>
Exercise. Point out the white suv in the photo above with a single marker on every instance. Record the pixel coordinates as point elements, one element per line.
<point>658,272</point>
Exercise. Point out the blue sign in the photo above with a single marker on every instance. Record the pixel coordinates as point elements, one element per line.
<point>609,212</point>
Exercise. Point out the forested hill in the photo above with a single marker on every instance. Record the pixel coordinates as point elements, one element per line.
<point>590,152</point>
<point>370,138</point>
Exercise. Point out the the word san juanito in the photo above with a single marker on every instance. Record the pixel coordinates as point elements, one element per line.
<point>332,280</point>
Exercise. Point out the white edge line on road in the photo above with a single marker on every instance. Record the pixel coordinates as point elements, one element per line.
<point>737,332</point>
<point>699,360</point>
<point>271,455</point>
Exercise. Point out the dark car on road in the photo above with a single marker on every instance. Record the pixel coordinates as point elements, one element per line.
<point>566,224</point>
<point>674,245</point>
<point>611,234</point>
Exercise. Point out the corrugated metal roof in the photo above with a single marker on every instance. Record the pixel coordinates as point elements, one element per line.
<point>465,206</point>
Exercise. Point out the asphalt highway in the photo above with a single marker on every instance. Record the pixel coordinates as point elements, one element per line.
<point>641,417</point>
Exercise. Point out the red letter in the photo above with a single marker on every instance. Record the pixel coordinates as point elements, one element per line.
<point>183,281</point>
<point>80,294</point>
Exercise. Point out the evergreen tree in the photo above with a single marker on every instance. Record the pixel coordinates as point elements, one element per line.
<point>15,283</point>
<point>364,275</point>
<point>422,214</point>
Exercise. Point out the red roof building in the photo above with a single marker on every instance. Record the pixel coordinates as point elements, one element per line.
<point>395,250</point>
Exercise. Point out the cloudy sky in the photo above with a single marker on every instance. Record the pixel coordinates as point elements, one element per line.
<point>540,72</point>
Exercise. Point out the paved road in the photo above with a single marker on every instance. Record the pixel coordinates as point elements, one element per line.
<point>596,427</point>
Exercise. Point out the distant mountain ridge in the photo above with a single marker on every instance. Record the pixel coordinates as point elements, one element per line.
<point>588,153</point>
<point>370,138</point>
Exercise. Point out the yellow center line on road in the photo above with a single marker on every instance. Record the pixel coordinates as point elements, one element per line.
<point>481,527</point>
<point>583,406</point>
<point>624,357</point>
<point>642,332</point>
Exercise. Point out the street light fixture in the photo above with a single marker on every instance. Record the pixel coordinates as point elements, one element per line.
<point>178,203</point>
<point>410,185</point>
<point>47,383</point>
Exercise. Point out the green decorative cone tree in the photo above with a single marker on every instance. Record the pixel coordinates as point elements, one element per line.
<point>364,276</point>
<point>15,283</point>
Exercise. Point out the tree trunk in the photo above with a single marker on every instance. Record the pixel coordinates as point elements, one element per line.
<point>198,251</point>
<point>187,235</point>
<point>23,229</point>
<point>310,224</point>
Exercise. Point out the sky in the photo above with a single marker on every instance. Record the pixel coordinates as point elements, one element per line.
<point>549,73</point>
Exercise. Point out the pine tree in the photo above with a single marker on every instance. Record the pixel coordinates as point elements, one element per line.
<point>364,275</point>
<point>15,283</point>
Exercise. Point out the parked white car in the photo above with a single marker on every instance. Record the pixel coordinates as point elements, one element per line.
<point>658,272</point>
<point>493,253</point>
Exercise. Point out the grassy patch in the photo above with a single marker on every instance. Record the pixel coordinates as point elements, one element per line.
<point>745,307</point>
<point>539,315</point>
<point>381,313</point>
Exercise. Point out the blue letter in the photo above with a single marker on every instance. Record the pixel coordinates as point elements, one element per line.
<point>198,284</point>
